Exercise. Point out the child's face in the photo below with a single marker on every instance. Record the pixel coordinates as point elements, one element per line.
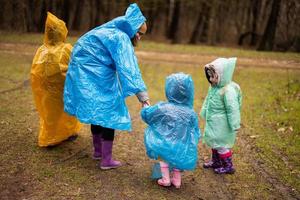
<point>211,75</point>
<point>214,80</point>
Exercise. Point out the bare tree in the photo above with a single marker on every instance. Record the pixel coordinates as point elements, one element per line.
<point>198,29</point>
<point>267,41</point>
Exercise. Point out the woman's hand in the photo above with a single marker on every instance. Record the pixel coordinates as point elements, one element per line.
<point>146,103</point>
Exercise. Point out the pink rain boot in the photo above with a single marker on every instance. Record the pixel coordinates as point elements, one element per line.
<point>176,179</point>
<point>107,162</point>
<point>165,180</point>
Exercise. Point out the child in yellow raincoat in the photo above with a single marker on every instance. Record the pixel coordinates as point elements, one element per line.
<point>48,71</point>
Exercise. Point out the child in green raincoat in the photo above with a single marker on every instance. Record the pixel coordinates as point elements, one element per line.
<point>221,111</point>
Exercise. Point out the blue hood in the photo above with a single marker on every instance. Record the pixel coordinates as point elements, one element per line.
<point>180,89</point>
<point>131,21</point>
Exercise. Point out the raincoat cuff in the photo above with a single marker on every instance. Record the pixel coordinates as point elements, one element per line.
<point>142,96</point>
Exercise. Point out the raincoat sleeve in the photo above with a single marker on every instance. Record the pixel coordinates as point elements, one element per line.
<point>126,65</point>
<point>65,58</point>
<point>148,113</point>
<point>232,107</point>
<point>196,129</point>
<point>204,107</point>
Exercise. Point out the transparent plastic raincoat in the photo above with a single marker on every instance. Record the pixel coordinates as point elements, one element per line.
<point>173,133</point>
<point>103,71</point>
<point>48,70</point>
<point>222,106</point>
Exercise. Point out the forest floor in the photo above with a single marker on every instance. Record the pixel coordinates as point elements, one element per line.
<point>266,155</point>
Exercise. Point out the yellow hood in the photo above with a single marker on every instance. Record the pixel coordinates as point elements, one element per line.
<point>55,30</point>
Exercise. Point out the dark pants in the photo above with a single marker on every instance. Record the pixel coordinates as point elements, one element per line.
<point>107,134</point>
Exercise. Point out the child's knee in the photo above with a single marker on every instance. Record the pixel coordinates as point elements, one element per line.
<point>222,150</point>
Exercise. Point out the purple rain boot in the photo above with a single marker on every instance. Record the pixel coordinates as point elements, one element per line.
<point>107,162</point>
<point>215,161</point>
<point>227,166</point>
<point>97,141</point>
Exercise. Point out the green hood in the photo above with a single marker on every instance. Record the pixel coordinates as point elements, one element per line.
<point>225,68</point>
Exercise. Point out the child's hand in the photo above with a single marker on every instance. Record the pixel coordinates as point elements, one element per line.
<point>146,104</point>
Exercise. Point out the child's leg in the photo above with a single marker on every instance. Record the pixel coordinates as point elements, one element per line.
<point>215,160</point>
<point>176,179</point>
<point>226,159</point>
<point>165,180</point>
<point>222,150</point>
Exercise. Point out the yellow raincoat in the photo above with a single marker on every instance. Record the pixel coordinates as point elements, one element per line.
<point>48,72</point>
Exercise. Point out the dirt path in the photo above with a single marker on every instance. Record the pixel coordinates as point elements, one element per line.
<point>200,60</point>
<point>175,58</point>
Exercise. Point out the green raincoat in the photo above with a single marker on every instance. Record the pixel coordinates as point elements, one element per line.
<point>222,106</point>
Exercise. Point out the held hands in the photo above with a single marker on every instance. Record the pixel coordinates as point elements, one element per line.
<point>145,103</point>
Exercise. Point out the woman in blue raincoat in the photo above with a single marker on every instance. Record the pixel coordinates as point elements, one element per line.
<point>173,132</point>
<point>103,71</point>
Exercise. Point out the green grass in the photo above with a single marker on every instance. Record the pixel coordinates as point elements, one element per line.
<point>270,102</point>
<point>37,39</point>
<point>217,51</point>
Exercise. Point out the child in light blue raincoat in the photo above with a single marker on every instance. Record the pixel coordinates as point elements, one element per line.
<point>172,135</point>
<point>221,111</point>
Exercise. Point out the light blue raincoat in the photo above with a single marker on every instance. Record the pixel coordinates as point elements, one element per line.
<point>173,133</point>
<point>103,71</point>
<point>222,106</point>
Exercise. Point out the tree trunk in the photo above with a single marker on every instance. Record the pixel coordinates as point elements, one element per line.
<point>256,5</point>
<point>174,19</point>
<point>267,41</point>
<point>199,25</point>
<point>212,22</point>
<point>175,28</point>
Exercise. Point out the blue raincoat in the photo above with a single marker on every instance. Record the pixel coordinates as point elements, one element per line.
<point>103,71</point>
<point>173,133</point>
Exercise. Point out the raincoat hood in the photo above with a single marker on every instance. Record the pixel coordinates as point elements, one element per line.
<point>224,68</point>
<point>131,21</point>
<point>180,89</point>
<point>55,30</point>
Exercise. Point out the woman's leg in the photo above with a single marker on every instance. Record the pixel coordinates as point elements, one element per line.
<point>97,141</point>
<point>107,162</point>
